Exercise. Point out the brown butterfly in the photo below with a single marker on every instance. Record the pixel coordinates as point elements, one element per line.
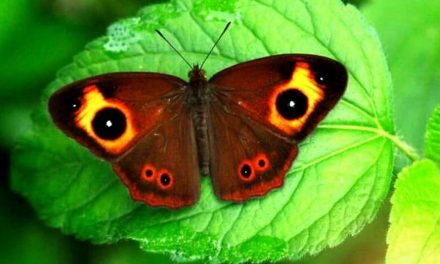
<point>242,126</point>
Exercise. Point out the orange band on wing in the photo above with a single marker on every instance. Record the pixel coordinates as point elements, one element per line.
<point>92,102</point>
<point>302,79</point>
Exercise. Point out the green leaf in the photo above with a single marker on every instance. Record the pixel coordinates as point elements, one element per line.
<point>334,188</point>
<point>410,33</point>
<point>432,137</point>
<point>414,235</point>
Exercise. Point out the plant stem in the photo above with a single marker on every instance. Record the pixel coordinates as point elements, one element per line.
<point>404,147</point>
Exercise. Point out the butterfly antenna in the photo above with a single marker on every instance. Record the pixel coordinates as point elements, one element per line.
<point>215,44</point>
<point>171,45</point>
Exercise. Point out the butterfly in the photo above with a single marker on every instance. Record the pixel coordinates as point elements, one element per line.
<point>241,127</point>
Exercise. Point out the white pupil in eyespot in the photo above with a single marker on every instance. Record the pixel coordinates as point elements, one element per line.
<point>109,123</point>
<point>291,103</point>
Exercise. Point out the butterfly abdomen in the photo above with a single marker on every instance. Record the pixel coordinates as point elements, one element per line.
<point>199,116</point>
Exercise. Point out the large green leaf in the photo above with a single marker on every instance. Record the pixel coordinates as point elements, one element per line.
<point>414,235</point>
<point>335,187</point>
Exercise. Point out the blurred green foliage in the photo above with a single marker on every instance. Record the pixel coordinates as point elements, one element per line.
<point>410,35</point>
<point>33,45</point>
<point>38,37</point>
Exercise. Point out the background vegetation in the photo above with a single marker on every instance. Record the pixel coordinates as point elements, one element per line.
<point>38,37</point>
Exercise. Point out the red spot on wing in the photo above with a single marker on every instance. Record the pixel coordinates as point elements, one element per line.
<point>164,173</point>
<point>152,198</point>
<point>145,173</point>
<point>261,162</point>
<point>239,171</point>
<point>261,188</point>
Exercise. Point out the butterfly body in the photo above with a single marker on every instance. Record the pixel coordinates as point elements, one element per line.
<point>198,98</point>
<point>241,127</point>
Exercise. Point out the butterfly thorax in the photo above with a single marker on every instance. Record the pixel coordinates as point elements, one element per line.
<point>197,86</point>
<point>198,90</point>
<point>197,78</point>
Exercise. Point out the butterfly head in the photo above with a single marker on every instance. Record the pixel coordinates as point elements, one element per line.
<point>196,74</point>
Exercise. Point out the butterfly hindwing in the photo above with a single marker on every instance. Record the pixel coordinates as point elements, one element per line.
<point>264,108</point>
<point>162,169</point>
<point>134,120</point>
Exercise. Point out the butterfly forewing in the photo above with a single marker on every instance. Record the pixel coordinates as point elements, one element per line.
<point>109,113</point>
<point>290,93</point>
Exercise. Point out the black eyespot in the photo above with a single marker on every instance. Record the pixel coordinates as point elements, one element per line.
<point>291,104</point>
<point>246,171</point>
<point>149,173</point>
<point>165,179</point>
<point>261,163</point>
<point>109,123</point>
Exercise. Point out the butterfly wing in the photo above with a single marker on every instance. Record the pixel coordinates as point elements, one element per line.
<point>162,169</point>
<point>260,110</point>
<point>131,120</point>
<point>247,159</point>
